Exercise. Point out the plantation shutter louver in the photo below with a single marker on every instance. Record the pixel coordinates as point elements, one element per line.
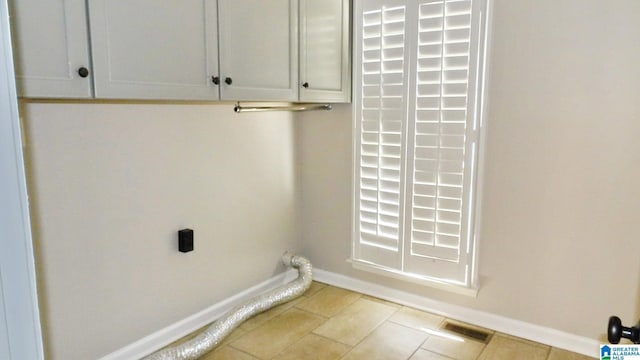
<point>416,119</point>
<point>382,115</point>
<point>439,143</point>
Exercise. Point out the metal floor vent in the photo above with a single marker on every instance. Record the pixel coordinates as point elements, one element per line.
<point>474,334</point>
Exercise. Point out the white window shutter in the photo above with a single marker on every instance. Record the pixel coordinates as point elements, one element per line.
<point>438,143</point>
<point>381,113</point>
<point>415,116</point>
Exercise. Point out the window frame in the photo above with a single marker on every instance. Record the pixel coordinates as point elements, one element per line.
<point>477,83</point>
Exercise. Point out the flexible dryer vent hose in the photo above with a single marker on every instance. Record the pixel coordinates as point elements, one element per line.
<point>221,328</point>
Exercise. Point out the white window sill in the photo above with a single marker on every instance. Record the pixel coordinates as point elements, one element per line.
<point>416,279</point>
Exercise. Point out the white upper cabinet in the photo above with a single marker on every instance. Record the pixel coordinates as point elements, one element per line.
<point>324,51</point>
<point>249,50</point>
<point>154,49</point>
<point>258,50</point>
<point>51,48</point>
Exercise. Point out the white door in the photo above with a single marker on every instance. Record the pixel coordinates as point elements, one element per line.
<point>258,49</point>
<point>324,51</point>
<point>51,48</point>
<point>154,49</point>
<point>20,330</point>
<point>4,336</point>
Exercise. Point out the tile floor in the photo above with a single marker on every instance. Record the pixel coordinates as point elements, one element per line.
<point>333,323</point>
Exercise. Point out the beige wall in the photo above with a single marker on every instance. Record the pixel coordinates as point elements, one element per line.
<point>110,186</point>
<point>560,245</point>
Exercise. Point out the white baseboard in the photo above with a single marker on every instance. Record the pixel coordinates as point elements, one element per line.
<point>171,333</point>
<point>537,333</point>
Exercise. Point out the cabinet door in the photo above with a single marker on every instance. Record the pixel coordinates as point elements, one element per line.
<point>324,51</point>
<point>154,49</point>
<point>51,46</point>
<point>258,49</point>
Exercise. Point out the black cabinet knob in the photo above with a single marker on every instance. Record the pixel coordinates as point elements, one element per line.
<point>305,85</point>
<point>83,72</point>
<point>228,81</point>
<point>215,79</point>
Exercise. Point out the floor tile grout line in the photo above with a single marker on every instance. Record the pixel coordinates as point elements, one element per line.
<point>240,350</point>
<point>295,342</point>
<point>360,295</point>
<point>363,338</point>
<point>324,320</point>
<point>422,345</point>
<point>348,348</point>
<point>315,293</point>
<point>247,332</point>
<point>243,325</point>
<point>368,334</point>
<point>436,353</point>
<point>328,338</point>
<point>419,346</point>
<point>311,332</point>
<point>481,352</point>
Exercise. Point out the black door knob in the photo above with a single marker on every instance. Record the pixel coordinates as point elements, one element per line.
<point>305,85</point>
<point>615,331</point>
<point>228,81</point>
<point>215,79</point>
<point>83,72</point>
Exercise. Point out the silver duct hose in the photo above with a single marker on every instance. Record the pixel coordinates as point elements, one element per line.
<point>221,328</point>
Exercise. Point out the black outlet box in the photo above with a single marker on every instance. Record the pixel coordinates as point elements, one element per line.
<point>185,240</point>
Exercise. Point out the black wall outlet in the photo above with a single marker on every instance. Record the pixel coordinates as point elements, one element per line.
<point>185,240</point>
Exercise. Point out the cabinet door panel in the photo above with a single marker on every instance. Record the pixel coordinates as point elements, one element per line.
<point>51,44</point>
<point>324,50</point>
<point>258,49</point>
<point>154,49</point>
